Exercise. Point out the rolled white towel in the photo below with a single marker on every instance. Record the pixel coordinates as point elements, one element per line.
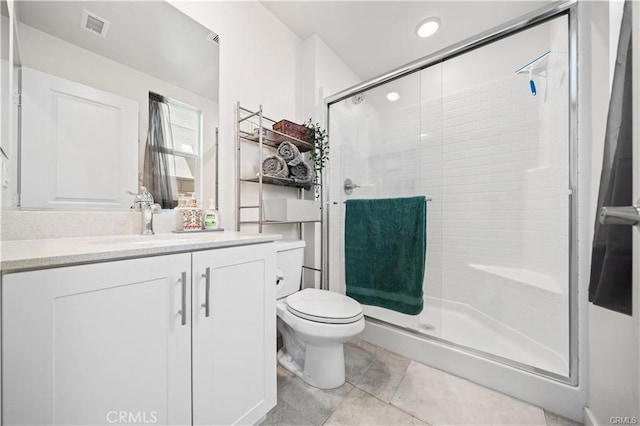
<point>302,172</point>
<point>275,166</point>
<point>290,153</point>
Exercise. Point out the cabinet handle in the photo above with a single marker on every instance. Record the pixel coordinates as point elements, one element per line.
<point>183,311</point>
<point>207,291</point>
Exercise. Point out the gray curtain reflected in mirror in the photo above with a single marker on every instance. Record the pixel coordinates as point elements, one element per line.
<point>159,166</point>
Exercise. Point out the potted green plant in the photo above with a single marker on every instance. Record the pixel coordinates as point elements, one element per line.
<point>317,136</point>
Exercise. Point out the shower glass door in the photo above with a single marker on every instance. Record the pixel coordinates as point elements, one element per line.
<point>490,148</point>
<point>380,141</point>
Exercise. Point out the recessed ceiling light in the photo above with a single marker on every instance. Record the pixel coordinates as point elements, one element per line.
<point>428,27</point>
<point>393,96</point>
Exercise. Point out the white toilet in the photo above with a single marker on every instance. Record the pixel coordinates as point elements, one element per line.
<point>314,323</point>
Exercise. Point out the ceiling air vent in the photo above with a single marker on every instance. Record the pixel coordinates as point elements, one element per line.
<point>213,37</point>
<point>94,23</point>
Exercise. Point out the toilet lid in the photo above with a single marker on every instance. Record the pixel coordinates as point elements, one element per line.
<point>324,306</point>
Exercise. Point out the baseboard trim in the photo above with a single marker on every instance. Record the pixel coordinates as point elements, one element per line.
<point>589,418</point>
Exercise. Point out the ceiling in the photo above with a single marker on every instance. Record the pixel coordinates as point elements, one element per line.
<point>374,37</point>
<point>171,46</point>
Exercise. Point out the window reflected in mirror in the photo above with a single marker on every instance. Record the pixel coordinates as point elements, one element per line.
<point>172,160</point>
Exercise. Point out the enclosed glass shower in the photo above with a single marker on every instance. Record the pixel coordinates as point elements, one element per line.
<point>485,136</point>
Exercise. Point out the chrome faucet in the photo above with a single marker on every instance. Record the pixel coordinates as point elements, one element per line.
<point>143,202</point>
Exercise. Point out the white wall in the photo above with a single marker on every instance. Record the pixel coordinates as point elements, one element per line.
<point>613,337</point>
<point>259,60</point>
<point>329,72</point>
<point>5,193</point>
<point>11,60</point>
<point>54,56</point>
<point>4,40</point>
<point>323,73</point>
<point>4,80</point>
<point>615,20</point>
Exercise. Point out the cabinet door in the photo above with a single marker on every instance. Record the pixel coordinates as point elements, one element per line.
<point>234,348</point>
<point>98,344</point>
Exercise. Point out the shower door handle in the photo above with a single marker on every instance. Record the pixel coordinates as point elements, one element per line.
<point>629,215</point>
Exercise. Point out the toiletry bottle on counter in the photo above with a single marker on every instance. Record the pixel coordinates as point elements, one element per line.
<point>211,217</point>
<point>190,215</point>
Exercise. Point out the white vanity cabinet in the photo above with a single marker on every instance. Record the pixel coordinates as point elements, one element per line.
<point>234,345</point>
<point>129,341</point>
<point>83,344</point>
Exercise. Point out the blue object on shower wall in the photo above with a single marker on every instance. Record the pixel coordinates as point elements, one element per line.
<point>530,69</point>
<point>385,248</point>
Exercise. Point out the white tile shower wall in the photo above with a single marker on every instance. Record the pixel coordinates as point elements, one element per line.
<point>494,160</point>
<point>406,153</point>
<point>351,133</point>
<point>495,152</point>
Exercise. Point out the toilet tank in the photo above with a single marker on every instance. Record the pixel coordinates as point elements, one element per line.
<point>289,254</point>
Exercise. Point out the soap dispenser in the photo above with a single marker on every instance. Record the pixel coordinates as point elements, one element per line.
<point>211,217</point>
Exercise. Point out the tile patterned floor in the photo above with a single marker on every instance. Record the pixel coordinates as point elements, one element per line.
<point>384,388</point>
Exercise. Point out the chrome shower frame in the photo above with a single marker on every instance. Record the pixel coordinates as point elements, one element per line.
<point>548,12</point>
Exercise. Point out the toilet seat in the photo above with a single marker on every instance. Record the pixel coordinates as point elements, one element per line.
<point>324,306</point>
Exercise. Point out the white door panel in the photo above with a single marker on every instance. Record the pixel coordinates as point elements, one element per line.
<point>77,118</point>
<point>79,145</point>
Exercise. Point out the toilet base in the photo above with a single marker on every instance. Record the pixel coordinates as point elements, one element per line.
<point>323,365</point>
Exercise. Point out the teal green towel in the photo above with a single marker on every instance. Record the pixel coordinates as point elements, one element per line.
<point>385,248</point>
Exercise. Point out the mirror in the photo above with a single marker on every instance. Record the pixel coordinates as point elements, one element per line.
<point>4,72</point>
<point>9,69</point>
<point>88,70</point>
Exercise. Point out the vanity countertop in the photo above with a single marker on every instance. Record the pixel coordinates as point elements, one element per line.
<point>22,255</point>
